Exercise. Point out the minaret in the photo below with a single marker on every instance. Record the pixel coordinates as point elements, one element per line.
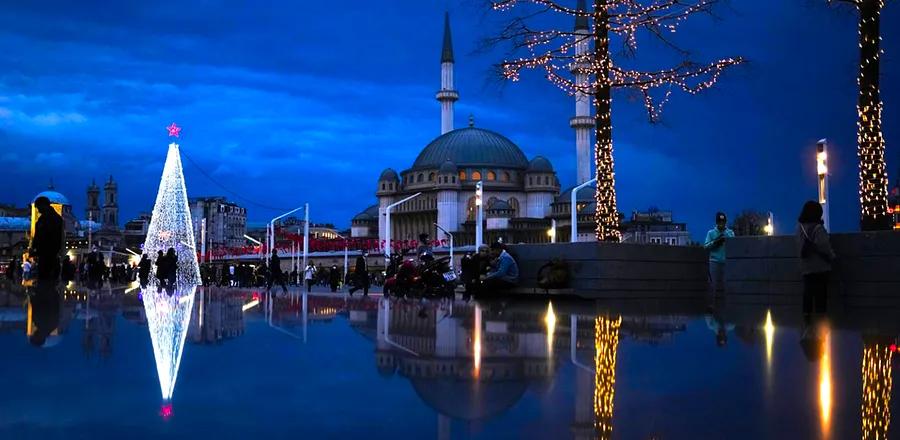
<point>582,122</point>
<point>447,95</point>
<point>110,206</point>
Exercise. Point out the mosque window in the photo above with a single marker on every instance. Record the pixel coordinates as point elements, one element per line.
<point>470,209</point>
<point>431,177</point>
<point>454,179</point>
<point>504,177</point>
<point>382,187</point>
<point>421,177</point>
<point>530,180</point>
<point>492,175</point>
<point>546,180</point>
<point>462,175</point>
<point>514,206</point>
<point>476,175</point>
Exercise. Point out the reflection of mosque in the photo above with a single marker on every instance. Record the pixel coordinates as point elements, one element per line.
<point>99,316</point>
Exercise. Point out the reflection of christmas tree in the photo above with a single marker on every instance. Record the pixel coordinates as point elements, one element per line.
<point>168,316</point>
<point>876,392</point>
<point>606,344</point>
<point>170,225</point>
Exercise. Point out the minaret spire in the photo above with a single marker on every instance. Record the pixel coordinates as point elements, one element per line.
<point>582,122</point>
<point>447,95</point>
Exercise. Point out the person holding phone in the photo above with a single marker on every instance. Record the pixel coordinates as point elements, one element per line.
<point>715,244</point>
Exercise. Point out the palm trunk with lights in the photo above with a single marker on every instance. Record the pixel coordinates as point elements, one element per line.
<point>873,182</point>
<point>607,214</point>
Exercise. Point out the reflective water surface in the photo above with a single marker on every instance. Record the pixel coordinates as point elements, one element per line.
<point>189,362</point>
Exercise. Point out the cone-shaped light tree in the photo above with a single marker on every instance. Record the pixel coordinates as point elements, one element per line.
<point>580,62</point>
<point>873,180</point>
<point>168,308</point>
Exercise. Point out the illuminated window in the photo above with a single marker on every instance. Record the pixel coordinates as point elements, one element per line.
<point>492,175</point>
<point>476,175</point>
<point>462,175</point>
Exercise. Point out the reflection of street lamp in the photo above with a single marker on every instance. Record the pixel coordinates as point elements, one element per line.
<point>346,257</point>
<point>822,171</point>
<point>479,214</point>
<point>769,228</point>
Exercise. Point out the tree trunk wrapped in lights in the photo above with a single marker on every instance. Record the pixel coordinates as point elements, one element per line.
<point>556,52</point>
<point>606,346</point>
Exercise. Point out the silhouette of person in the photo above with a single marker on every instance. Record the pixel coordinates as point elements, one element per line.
<point>45,307</point>
<point>49,236</point>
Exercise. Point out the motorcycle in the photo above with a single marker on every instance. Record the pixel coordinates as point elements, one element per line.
<point>406,278</point>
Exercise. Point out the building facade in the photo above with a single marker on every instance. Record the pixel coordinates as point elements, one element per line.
<point>655,227</point>
<point>226,222</point>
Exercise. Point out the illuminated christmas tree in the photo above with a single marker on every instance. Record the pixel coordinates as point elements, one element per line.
<point>580,62</point>
<point>168,307</point>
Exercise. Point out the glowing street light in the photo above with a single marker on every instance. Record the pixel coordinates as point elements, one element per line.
<point>769,228</point>
<point>822,171</point>
<point>479,216</point>
<point>552,231</point>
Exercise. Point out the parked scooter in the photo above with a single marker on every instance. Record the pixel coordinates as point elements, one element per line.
<point>407,278</point>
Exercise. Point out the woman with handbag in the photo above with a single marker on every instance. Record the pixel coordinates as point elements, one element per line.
<point>816,256</point>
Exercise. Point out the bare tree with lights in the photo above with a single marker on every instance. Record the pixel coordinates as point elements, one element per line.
<point>581,63</point>
<point>873,180</point>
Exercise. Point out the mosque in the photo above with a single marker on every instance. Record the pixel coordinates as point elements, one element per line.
<point>521,195</point>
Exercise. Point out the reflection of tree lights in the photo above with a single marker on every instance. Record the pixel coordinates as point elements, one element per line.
<point>606,344</point>
<point>250,305</point>
<point>825,385</point>
<point>168,318</point>
<point>550,322</point>
<point>876,391</point>
<point>476,341</point>
<point>769,329</point>
<point>165,411</point>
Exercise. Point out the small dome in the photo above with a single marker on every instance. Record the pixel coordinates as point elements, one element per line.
<point>584,195</point>
<point>448,167</point>
<point>54,197</point>
<point>370,213</point>
<point>389,174</point>
<point>540,164</point>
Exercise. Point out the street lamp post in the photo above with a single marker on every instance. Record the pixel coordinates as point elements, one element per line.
<point>770,225</point>
<point>479,215</point>
<point>346,258</point>
<point>451,242</point>
<point>574,208</point>
<point>305,234</point>
<point>271,241</point>
<point>258,243</point>
<point>822,171</point>
<point>552,231</point>
<point>387,226</point>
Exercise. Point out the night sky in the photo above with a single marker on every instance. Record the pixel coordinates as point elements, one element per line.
<point>309,101</point>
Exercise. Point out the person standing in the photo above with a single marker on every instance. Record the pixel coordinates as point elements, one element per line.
<point>309,276</point>
<point>715,244</point>
<point>816,255</point>
<point>362,275</point>
<point>49,236</point>
<point>275,274</point>
<point>144,270</point>
<point>334,277</point>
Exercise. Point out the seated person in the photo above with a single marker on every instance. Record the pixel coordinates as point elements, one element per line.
<point>425,251</point>
<point>505,274</point>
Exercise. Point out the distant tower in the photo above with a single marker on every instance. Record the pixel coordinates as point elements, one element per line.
<point>110,205</point>
<point>582,122</point>
<point>92,212</point>
<point>447,95</point>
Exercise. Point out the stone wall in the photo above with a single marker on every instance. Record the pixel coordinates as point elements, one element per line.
<point>618,270</point>
<point>867,270</point>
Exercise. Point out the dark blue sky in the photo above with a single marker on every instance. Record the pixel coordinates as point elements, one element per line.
<point>309,101</point>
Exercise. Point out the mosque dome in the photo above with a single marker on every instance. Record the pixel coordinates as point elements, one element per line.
<point>389,174</point>
<point>540,164</point>
<point>468,399</point>
<point>471,147</point>
<point>370,213</point>
<point>54,197</point>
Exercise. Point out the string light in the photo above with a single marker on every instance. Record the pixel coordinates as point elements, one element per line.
<point>606,346</point>
<point>560,54</point>
<point>873,180</point>
<point>876,391</point>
